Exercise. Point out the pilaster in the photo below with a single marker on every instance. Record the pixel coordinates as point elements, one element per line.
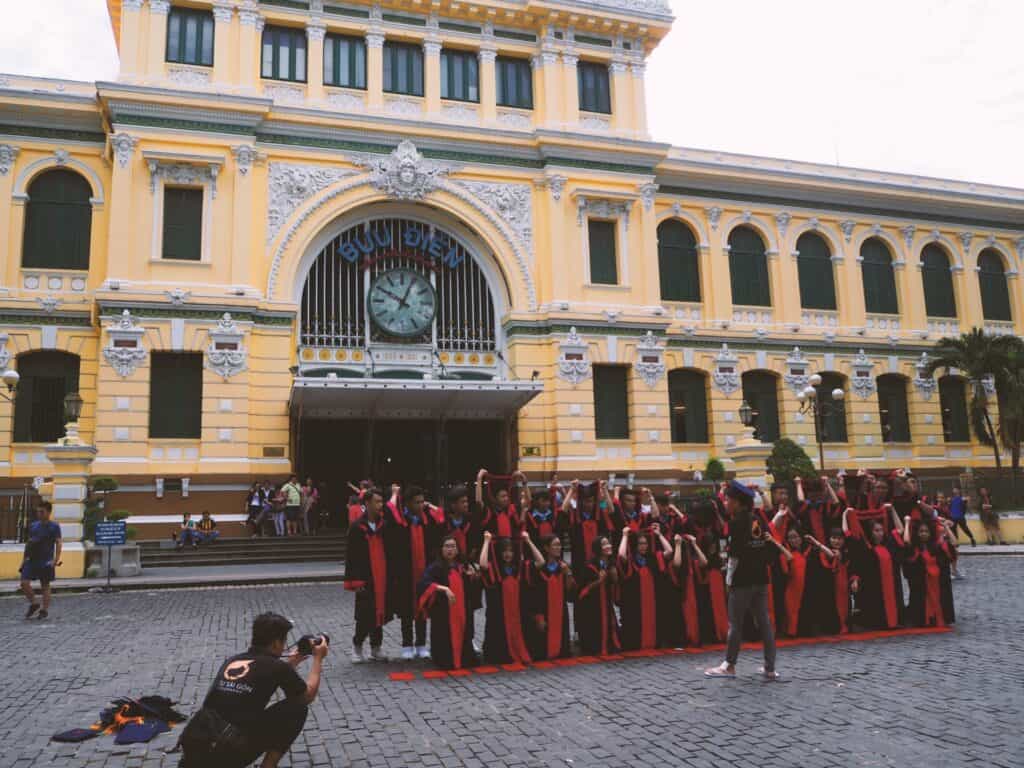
<point>622,101</point>
<point>223,28</point>
<point>432,76</point>
<point>315,32</point>
<point>488,84</point>
<point>548,81</point>
<point>570,90</point>
<point>639,89</point>
<point>249,33</point>
<point>157,39</point>
<point>132,17</point>
<point>375,70</point>
<point>8,160</point>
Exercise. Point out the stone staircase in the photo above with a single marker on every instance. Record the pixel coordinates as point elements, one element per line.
<point>325,547</point>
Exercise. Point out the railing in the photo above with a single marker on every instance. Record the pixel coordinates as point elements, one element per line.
<point>16,512</point>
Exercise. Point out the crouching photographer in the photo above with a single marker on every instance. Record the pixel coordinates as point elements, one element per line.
<point>235,726</point>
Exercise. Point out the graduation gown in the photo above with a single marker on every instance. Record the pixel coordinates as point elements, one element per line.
<point>923,568</point>
<point>451,624</point>
<point>504,640</point>
<point>684,580</point>
<point>542,524</point>
<point>548,595</point>
<point>638,600</point>
<point>795,573</point>
<point>712,604</point>
<point>880,597</point>
<point>409,544</point>
<point>833,610</point>
<point>366,566</point>
<point>596,623</point>
<point>583,531</point>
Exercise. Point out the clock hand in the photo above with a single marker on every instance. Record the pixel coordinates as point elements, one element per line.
<point>392,295</point>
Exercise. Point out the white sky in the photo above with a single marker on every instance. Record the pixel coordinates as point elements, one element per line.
<point>934,87</point>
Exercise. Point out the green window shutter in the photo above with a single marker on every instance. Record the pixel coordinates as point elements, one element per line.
<point>995,294</point>
<point>688,406</point>
<point>176,395</point>
<point>678,267</point>
<point>878,278</point>
<point>345,61</point>
<point>937,279</point>
<point>953,401</point>
<point>611,402</point>
<point>760,390</point>
<point>284,54</point>
<point>460,80</point>
<point>514,83</point>
<point>594,89</point>
<point>190,37</point>
<point>183,223</point>
<point>46,377</point>
<point>893,412</point>
<point>748,269</point>
<point>58,222</point>
<point>603,264</point>
<point>814,270</point>
<point>403,68</point>
<point>833,422</point>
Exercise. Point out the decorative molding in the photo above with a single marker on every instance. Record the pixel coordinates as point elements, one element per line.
<point>124,146</point>
<point>650,357</point>
<point>125,352</point>
<point>226,355</point>
<point>245,156</point>
<point>862,381</point>
<point>374,39</point>
<point>223,10</point>
<point>346,101</point>
<point>249,14</point>
<point>285,94</point>
<point>797,376</point>
<point>602,208</point>
<point>5,354</point>
<point>573,363</point>
<point>515,120</point>
<point>714,216</point>
<point>316,30</point>
<point>61,157</point>
<point>782,219</point>
<point>291,184</point>
<point>405,174</point>
<point>161,7</point>
<point>847,226</point>
<point>512,202</point>
<point>556,184</point>
<point>597,123</point>
<point>178,296</point>
<point>8,154</point>
<point>925,385</point>
<point>965,240</point>
<point>183,173</point>
<point>726,375</point>
<point>647,192</point>
<point>49,304</point>
<point>459,113</point>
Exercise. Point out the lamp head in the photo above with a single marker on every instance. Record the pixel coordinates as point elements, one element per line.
<point>815,379</point>
<point>72,407</point>
<point>801,397</point>
<point>746,414</point>
<point>810,392</point>
<point>838,394</point>
<point>11,379</point>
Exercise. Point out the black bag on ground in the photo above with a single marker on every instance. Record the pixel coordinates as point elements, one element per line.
<point>209,737</point>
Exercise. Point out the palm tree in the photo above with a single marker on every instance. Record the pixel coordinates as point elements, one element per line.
<point>980,357</point>
<point>1011,412</point>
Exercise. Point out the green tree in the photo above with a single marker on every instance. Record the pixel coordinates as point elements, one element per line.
<point>714,471</point>
<point>978,356</point>
<point>789,460</point>
<point>1010,390</point>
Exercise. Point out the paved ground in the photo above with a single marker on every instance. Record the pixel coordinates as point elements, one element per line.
<point>942,700</point>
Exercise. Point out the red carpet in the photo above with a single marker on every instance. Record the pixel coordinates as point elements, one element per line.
<point>785,642</point>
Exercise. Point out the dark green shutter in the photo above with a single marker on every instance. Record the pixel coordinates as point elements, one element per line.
<point>760,390</point>
<point>814,270</point>
<point>345,61</point>
<point>284,54</point>
<point>403,68</point>
<point>678,262</point>
<point>995,294</point>
<point>176,395</point>
<point>892,409</point>
<point>58,222</point>
<point>748,269</point>
<point>688,406</point>
<point>594,89</point>
<point>183,223</point>
<point>190,37</point>
<point>939,299</point>
<point>953,401</point>
<point>833,418</point>
<point>603,266</point>
<point>878,278</point>
<point>46,377</point>
<point>514,83</point>
<point>611,402</point>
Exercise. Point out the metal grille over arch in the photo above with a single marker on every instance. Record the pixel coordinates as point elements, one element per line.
<point>334,298</point>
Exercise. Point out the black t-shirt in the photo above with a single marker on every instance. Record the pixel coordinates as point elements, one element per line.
<point>246,682</point>
<point>751,550</point>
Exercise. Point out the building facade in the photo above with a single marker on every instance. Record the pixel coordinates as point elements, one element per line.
<point>404,240</point>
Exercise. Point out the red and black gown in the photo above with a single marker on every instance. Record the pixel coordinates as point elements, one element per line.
<point>541,524</point>
<point>923,569</point>
<point>638,600</point>
<point>596,623</point>
<point>504,640</point>
<point>833,610</point>
<point>451,624</point>
<point>366,572</point>
<point>584,529</point>
<point>550,590</point>
<point>795,572</point>
<point>880,597</point>
<point>685,581</point>
<point>819,518</point>
<point>709,584</point>
<point>410,543</point>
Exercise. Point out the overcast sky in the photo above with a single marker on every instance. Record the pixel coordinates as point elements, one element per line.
<point>934,87</point>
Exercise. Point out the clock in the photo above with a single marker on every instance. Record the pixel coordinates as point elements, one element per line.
<point>402,302</point>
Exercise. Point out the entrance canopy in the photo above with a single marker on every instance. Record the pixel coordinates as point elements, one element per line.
<point>330,397</point>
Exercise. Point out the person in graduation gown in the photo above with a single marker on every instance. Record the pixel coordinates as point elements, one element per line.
<point>551,587</point>
<point>505,585</point>
<point>817,606</point>
<point>409,538</point>
<point>840,582</point>
<point>585,522</point>
<point>541,518</point>
<point>460,523</point>
<point>596,622</point>
<point>876,559</point>
<point>366,574</point>
<point>708,525</point>
<point>446,596</point>
<point>923,563</point>
<point>687,560</point>
<point>818,507</point>
<point>626,511</point>
<point>497,512</point>
<point>640,568</point>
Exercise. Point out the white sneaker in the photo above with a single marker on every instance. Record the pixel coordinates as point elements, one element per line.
<point>770,677</point>
<point>422,652</point>
<point>376,655</point>
<point>408,653</point>
<point>722,670</point>
<point>357,654</point>
<point>476,646</point>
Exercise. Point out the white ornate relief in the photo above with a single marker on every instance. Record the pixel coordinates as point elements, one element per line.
<point>847,226</point>
<point>193,78</point>
<point>647,193</point>
<point>514,120</point>
<point>797,376</point>
<point>124,146</point>
<point>405,174</point>
<point>5,354</point>
<point>284,94</point>
<point>513,202</point>
<point>573,363</point>
<point>862,381</point>
<point>556,184</point>
<point>925,385</point>
<point>459,113</point>
<point>178,296</point>
<point>595,123</point>
<point>8,154</point>
<point>125,352</point>
<point>48,304</point>
<point>289,184</point>
<point>714,216</point>
<point>602,208</point>
<point>226,355</point>
<point>660,7</point>
<point>782,219</point>
<point>183,173</point>
<point>726,376</point>
<point>403,107</point>
<point>650,359</point>
<point>61,157</point>
<point>347,101</point>
<point>244,156</point>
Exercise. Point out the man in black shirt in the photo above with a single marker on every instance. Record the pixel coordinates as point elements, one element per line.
<point>245,684</point>
<point>751,547</point>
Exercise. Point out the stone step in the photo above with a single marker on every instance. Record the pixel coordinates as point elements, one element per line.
<point>204,558</point>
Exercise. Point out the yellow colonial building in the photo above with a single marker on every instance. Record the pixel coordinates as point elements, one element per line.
<point>407,239</point>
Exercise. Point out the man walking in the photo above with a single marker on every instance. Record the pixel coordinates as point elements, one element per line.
<point>958,514</point>
<point>751,547</point>
<point>292,504</point>
<point>42,556</point>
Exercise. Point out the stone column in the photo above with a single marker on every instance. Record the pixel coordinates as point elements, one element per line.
<point>8,268</point>
<point>639,99</point>
<point>488,84</point>
<point>71,470</point>
<point>570,90</point>
<point>249,43</point>
<point>374,70</point>
<point>130,38</point>
<point>242,215</point>
<point>432,76</point>
<point>157,42</point>
<point>546,77</point>
<point>124,256</point>
<point>749,459</point>
<point>223,15</point>
<point>315,31</point>
<point>621,98</point>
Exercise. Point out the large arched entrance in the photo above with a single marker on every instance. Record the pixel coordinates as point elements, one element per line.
<point>401,373</point>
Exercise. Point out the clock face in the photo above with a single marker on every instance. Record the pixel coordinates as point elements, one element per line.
<point>402,302</point>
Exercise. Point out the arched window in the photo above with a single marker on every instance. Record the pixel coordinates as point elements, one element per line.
<point>677,262</point>
<point>761,391</point>
<point>939,299</point>
<point>893,413</point>
<point>995,295</point>
<point>46,377</point>
<point>748,269</point>
<point>814,267</point>
<point>688,406</point>
<point>953,401</point>
<point>878,277</point>
<point>58,221</point>
<point>833,417</point>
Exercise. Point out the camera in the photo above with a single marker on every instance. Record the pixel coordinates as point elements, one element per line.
<point>306,643</point>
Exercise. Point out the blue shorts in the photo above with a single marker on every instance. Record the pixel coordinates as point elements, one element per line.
<point>41,572</point>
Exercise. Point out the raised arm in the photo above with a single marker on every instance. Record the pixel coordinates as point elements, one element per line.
<point>846,520</point>
<point>538,558</point>
<point>829,489</point>
<point>906,530</point>
<point>799,490</point>
<point>485,552</point>
<point>624,544</point>
<point>570,495</point>
<point>479,495</point>
<point>666,546</point>
<point>778,544</point>
<point>604,493</point>
<point>692,540</point>
<point>525,488</point>
<point>821,547</point>
<point>677,555</point>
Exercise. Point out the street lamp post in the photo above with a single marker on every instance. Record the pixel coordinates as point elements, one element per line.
<point>812,404</point>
